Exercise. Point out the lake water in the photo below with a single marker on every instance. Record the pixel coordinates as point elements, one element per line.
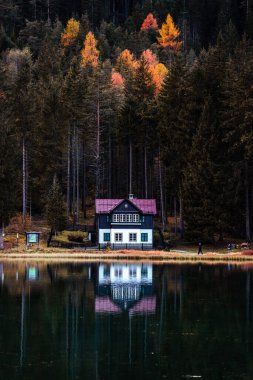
<point>125,321</point>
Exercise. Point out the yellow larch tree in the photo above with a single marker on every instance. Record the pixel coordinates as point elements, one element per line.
<point>159,73</point>
<point>126,62</point>
<point>169,35</point>
<point>90,53</point>
<point>70,32</point>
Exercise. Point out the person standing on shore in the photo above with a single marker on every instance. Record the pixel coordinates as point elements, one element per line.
<point>200,252</point>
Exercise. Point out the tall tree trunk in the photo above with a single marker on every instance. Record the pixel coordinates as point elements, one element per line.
<point>175,214</point>
<point>161,190</point>
<point>247,210</point>
<point>145,171</point>
<point>24,182</point>
<point>48,12</point>
<point>77,177</point>
<point>130,167</point>
<point>110,165</point>
<point>181,211</point>
<point>98,149</point>
<point>84,182</point>
<point>113,12</point>
<point>68,178</point>
<point>74,177</point>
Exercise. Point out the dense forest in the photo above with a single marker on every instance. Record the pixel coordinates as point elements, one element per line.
<point>113,97</point>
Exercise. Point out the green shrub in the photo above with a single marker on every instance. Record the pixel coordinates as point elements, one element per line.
<point>77,236</point>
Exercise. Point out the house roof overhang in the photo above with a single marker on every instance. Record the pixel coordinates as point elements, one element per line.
<point>107,206</point>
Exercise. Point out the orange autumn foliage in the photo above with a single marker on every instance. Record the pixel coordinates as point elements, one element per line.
<point>169,35</point>
<point>157,70</point>
<point>159,73</point>
<point>70,32</point>
<point>126,60</point>
<point>117,79</point>
<point>149,23</point>
<point>90,53</point>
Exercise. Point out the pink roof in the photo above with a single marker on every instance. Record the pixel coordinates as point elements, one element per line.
<point>145,305</point>
<point>147,206</point>
<point>105,305</point>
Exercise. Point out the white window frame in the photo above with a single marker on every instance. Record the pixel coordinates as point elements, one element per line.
<point>122,218</point>
<point>129,218</point>
<point>118,272</point>
<point>136,218</point>
<point>118,237</point>
<point>132,237</point>
<point>132,272</point>
<point>115,218</point>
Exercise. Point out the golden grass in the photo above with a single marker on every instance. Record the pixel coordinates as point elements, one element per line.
<point>159,257</point>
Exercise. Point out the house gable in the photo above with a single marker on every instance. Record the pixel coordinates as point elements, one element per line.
<point>125,206</point>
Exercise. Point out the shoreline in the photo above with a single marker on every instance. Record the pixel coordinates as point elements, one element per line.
<point>150,256</point>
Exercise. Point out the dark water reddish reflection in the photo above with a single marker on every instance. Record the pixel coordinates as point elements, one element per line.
<point>118,321</point>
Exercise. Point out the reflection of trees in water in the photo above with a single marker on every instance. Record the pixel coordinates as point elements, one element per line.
<point>201,313</point>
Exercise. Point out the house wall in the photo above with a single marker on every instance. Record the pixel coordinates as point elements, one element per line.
<point>126,273</point>
<point>125,232</point>
<point>101,233</point>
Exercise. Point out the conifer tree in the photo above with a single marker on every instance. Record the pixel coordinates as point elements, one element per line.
<point>237,118</point>
<point>206,176</point>
<point>70,33</point>
<point>135,116</point>
<point>90,53</point>
<point>149,23</point>
<point>169,35</point>
<point>55,209</point>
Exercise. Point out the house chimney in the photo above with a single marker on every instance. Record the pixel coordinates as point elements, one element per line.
<point>130,196</point>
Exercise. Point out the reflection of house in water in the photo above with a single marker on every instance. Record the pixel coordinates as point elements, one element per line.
<point>124,287</point>
<point>32,273</point>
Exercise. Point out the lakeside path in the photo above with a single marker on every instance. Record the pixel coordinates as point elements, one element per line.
<point>59,255</point>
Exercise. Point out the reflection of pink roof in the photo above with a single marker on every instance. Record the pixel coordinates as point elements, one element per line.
<point>147,206</point>
<point>105,305</point>
<point>145,305</point>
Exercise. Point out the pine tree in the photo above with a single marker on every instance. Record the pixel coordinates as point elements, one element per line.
<point>206,185</point>
<point>55,208</point>
<point>173,128</point>
<point>48,124</point>
<point>237,118</point>
<point>135,117</point>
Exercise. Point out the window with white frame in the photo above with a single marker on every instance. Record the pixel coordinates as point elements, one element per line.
<point>126,218</point>
<point>118,272</point>
<point>122,218</point>
<point>132,237</point>
<point>118,237</point>
<point>136,218</point>
<point>144,236</point>
<point>132,272</point>
<point>129,218</point>
<point>115,217</point>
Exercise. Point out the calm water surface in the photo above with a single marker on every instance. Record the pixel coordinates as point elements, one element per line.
<point>119,321</point>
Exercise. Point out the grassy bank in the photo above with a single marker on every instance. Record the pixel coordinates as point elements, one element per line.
<point>125,255</point>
